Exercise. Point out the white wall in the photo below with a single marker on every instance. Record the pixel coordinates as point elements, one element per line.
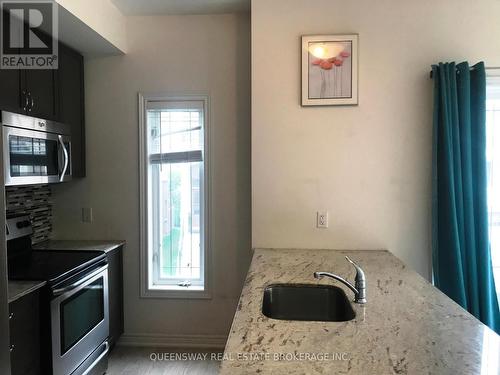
<point>177,54</point>
<point>103,17</point>
<point>369,165</point>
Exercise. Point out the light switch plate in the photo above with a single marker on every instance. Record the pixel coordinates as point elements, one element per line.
<point>322,219</point>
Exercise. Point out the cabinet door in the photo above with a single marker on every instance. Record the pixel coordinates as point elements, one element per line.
<point>115,288</point>
<point>25,335</point>
<point>71,108</point>
<point>11,98</point>
<point>41,86</point>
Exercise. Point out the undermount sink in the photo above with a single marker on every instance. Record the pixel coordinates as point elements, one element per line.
<point>308,302</point>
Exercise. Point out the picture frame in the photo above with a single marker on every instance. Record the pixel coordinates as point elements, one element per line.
<point>329,70</point>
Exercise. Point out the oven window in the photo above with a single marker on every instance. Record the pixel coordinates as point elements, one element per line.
<point>32,156</point>
<point>80,313</point>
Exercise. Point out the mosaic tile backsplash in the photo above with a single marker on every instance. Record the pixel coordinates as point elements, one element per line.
<point>34,200</point>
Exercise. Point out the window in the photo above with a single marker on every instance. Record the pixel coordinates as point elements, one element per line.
<point>173,196</point>
<point>493,169</point>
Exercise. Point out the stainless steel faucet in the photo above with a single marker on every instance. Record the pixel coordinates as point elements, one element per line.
<point>359,287</point>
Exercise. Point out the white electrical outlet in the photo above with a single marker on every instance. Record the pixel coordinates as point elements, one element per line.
<point>322,219</point>
<point>87,215</point>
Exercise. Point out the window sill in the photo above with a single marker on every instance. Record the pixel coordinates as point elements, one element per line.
<point>176,292</point>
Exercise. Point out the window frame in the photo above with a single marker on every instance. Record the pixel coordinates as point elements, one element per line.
<point>146,274</point>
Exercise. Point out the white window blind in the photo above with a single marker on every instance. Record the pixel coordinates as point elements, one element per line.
<point>493,169</point>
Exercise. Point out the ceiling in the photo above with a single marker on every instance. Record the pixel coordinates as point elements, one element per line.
<point>158,7</point>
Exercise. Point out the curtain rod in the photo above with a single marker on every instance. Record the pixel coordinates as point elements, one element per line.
<point>487,68</point>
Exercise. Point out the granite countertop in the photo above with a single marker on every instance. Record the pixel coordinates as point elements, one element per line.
<point>406,327</point>
<point>18,289</point>
<point>87,245</point>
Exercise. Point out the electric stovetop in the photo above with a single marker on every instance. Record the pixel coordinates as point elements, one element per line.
<point>52,265</point>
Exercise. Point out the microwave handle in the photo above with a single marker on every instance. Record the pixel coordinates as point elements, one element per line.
<point>66,158</point>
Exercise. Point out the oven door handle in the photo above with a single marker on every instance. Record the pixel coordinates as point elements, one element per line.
<point>105,352</point>
<point>66,158</point>
<point>59,291</point>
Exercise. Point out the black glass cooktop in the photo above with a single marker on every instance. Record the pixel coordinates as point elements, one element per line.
<point>52,265</point>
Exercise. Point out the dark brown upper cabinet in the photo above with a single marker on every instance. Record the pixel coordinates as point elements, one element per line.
<point>11,98</point>
<point>52,94</point>
<point>30,92</point>
<point>39,93</point>
<point>71,104</point>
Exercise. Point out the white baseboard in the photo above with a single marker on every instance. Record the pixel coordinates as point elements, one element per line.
<point>216,342</point>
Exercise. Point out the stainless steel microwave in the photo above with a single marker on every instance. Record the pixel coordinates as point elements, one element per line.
<point>35,151</point>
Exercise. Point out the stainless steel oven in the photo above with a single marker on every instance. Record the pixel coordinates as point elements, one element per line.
<point>36,151</point>
<point>80,323</point>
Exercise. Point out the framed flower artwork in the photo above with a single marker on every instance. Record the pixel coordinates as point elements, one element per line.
<point>330,70</point>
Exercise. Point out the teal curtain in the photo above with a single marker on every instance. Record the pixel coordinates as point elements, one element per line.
<point>461,251</point>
